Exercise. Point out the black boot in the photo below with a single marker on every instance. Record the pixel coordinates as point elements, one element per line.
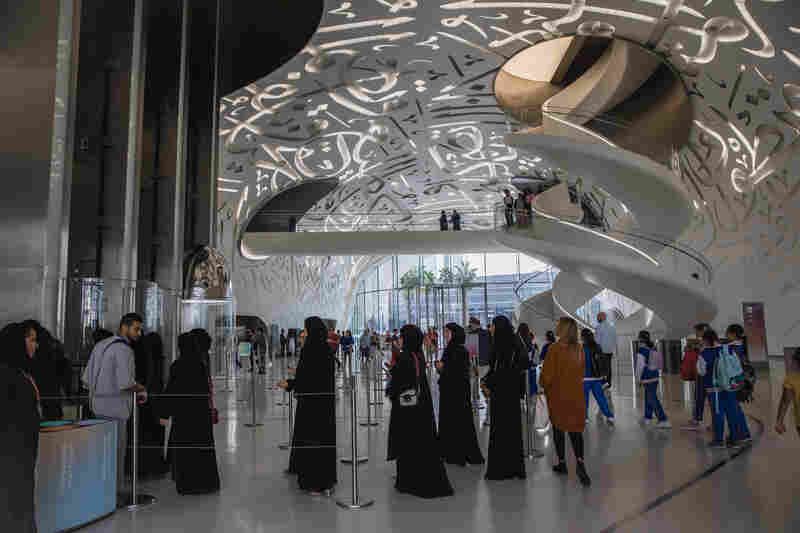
<point>560,468</point>
<point>582,475</point>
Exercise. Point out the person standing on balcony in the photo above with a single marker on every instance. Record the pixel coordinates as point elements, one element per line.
<point>521,209</point>
<point>508,203</point>
<point>456,219</point>
<point>443,221</point>
<point>606,337</point>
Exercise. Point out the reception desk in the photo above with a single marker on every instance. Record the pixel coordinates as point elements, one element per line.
<point>76,479</point>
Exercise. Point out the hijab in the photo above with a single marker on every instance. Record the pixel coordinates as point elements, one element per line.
<point>188,346</point>
<point>459,336</point>
<point>412,339</point>
<point>503,338</point>
<point>316,334</point>
<point>12,347</point>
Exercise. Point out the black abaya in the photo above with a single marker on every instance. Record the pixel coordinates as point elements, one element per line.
<point>313,456</point>
<point>191,442</point>
<point>506,453</point>
<point>19,427</point>
<point>149,364</point>
<point>412,434</point>
<point>459,442</point>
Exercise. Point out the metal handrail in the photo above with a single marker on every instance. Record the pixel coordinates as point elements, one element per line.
<point>681,248</point>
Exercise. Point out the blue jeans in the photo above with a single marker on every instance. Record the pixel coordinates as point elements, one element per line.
<point>722,409</point>
<point>596,388</point>
<point>699,399</point>
<point>652,403</point>
<point>738,426</point>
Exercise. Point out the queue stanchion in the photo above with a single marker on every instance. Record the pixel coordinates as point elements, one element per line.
<point>283,401</point>
<point>136,501</point>
<point>288,444</point>
<point>355,502</point>
<point>369,422</point>
<point>532,452</point>
<point>253,423</point>
<point>354,457</point>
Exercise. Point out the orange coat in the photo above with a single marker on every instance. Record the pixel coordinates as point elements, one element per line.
<point>562,381</point>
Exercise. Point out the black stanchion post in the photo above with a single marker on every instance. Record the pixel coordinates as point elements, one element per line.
<point>136,501</point>
<point>288,444</point>
<point>356,503</point>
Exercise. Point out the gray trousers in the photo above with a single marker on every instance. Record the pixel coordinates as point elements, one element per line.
<point>122,449</point>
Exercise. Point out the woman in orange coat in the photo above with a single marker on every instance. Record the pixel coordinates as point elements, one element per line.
<point>562,381</point>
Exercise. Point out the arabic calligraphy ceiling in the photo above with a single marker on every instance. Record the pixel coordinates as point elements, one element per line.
<point>394,98</point>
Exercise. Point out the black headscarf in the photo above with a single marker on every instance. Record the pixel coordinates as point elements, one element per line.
<point>316,334</point>
<point>203,339</point>
<point>187,345</point>
<point>503,337</point>
<point>412,338</point>
<point>12,347</point>
<point>459,336</point>
<point>412,343</point>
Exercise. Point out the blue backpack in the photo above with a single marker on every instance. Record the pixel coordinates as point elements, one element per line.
<point>728,373</point>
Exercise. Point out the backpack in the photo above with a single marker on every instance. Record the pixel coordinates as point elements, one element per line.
<point>655,360</point>
<point>728,373</point>
<point>689,365</point>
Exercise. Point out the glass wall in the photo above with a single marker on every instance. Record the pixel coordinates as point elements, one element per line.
<point>615,305</point>
<point>432,290</point>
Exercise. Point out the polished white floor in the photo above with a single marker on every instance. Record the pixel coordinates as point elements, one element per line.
<point>643,480</point>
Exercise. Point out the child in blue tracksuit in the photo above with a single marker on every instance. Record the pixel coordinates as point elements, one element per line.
<point>719,399</point>
<point>591,382</point>
<point>740,432</point>
<point>649,378</point>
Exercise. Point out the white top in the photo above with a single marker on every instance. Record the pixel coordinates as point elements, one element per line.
<point>606,336</point>
<point>111,369</point>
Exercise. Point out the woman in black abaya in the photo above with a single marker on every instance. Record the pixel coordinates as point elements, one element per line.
<point>412,429</point>
<point>507,363</point>
<point>459,442</point>
<point>313,456</point>
<point>19,429</point>
<point>191,441</point>
<point>149,354</point>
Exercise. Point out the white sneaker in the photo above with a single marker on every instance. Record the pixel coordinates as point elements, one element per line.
<point>647,421</point>
<point>664,424</point>
<point>610,420</point>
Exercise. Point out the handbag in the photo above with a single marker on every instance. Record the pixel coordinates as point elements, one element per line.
<point>410,397</point>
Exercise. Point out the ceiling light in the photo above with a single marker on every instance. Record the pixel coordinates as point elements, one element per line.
<point>537,159</point>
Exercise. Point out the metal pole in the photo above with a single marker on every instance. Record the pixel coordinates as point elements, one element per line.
<point>354,424</point>
<point>288,444</point>
<point>137,501</point>
<point>533,453</point>
<point>370,422</point>
<point>253,423</point>
<point>355,504</point>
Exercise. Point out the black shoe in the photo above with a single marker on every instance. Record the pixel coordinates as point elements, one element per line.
<point>560,468</point>
<point>582,475</point>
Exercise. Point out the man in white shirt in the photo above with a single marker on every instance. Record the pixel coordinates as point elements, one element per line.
<point>606,336</point>
<point>110,377</point>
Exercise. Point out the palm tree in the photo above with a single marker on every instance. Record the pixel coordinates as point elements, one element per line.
<point>465,273</point>
<point>413,278</point>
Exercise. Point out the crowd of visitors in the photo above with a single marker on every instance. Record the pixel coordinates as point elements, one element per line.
<point>509,365</point>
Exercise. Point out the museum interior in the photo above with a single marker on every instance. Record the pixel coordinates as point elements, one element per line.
<point>283,266</point>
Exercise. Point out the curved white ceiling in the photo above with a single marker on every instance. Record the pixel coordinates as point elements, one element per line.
<point>394,98</point>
